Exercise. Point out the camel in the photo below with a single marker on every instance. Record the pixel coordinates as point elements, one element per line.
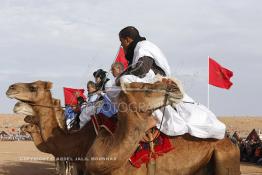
<point>34,131</point>
<point>210,156</point>
<point>26,109</point>
<point>52,144</point>
<point>32,128</point>
<point>21,108</point>
<point>191,155</point>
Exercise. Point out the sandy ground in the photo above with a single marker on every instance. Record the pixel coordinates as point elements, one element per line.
<point>242,124</point>
<point>22,158</point>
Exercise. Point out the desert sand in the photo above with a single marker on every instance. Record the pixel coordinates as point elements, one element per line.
<point>22,157</point>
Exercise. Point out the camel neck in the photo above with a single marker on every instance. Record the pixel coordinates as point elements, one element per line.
<point>119,146</point>
<point>47,120</point>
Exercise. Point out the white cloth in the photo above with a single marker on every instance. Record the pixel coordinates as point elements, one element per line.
<point>108,84</point>
<point>149,78</point>
<point>92,98</point>
<point>86,113</point>
<point>146,48</point>
<point>87,110</point>
<point>191,117</point>
<point>69,123</point>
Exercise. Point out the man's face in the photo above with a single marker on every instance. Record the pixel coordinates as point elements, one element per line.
<point>90,89</point>
<point>125,42</point>
<point>98,79</point>
<point>116,71</point>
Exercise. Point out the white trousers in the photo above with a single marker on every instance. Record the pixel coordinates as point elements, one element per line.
<point>85,116</point>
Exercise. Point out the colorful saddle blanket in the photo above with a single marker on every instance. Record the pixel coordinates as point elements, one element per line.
<point>162,145</point>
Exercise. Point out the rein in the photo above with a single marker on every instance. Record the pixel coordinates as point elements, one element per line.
<point>45,106</point>
<point>166,98</point>
<point>165,92</point>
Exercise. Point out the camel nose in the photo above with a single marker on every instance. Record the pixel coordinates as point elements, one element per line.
<point>10,90</point>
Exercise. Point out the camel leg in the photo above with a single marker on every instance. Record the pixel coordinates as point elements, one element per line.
<point>72,168</point>
<point>226,158</point>
<point>208,169</point>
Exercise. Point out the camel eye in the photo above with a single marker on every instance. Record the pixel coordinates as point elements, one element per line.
<point>33,88</point>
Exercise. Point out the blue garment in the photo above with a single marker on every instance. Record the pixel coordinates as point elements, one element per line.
<point>69,112</point>
<point>108,108</point>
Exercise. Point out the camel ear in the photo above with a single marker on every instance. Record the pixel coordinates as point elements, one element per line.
<point>56,102</point>
<point>179,84</point>
<point>48,85</point>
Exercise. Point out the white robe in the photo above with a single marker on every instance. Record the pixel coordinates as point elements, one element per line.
<point>189,116</point>
<point>146,48</point>
<point>87,110</point>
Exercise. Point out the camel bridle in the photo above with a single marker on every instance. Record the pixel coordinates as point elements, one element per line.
<point>166,92</point>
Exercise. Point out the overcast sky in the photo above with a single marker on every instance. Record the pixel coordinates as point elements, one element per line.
<point>65,41</point>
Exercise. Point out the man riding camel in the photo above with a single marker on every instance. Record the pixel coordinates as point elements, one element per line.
<point>117,68</point>
<point>102,82</point>
<point>145,61</point>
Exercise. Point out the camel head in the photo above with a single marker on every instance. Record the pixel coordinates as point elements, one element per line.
<point>29,92</point>
<point>23,109</point>
<point>149,97</point>
<point>30,128</point>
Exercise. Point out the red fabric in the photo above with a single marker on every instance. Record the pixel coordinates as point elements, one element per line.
<point>142,156</point>
<point>71,95</point>
<point>101,120</point>
<point>121,57</point>
<point>218,75</point>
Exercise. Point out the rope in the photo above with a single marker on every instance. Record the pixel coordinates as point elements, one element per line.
<point>132,89</point>
<point>45,106</point>
<point>166,98</point>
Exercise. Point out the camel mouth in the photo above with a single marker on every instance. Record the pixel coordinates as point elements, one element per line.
<point>15,95</point>
<point>11,95</point>
<point>23,101</point>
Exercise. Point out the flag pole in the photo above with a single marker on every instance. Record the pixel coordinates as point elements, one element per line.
<point>208,91</point>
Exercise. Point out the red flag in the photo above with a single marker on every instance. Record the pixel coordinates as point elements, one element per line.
<point>72,94</point>
<point>121,57</point>
<point>218,75</point>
